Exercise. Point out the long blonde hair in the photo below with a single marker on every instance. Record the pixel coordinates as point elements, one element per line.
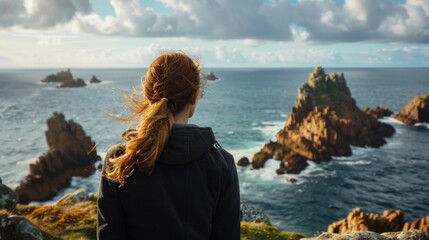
<point>170,81</point>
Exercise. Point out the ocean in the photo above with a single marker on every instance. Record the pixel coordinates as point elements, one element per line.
<point>245,108</point>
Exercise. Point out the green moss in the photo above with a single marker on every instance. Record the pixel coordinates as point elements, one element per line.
<point>260,231</point>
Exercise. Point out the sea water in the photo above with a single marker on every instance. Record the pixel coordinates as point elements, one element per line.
<point>245,108</point>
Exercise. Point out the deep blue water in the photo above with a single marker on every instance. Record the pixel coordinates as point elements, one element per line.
<point>245,108</point>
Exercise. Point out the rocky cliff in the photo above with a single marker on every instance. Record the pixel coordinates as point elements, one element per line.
<point>70,153</point>
<point>389,221</point>
<point>415,111</point>
<point>324,122</point>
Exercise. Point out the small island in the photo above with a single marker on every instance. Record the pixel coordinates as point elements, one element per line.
<point>211,76</point>
<point>416,111</point>
<point>66,80</point>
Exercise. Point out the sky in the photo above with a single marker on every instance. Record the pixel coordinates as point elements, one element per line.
<point>221,33</point>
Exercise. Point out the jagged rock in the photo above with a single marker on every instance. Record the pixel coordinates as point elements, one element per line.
<point>415,111</point>
<point>59,77</point>
<point>94,79</point>
<point>8,198</point>
<point>211,76</point>
<point>72,83</point>
<point>17,227</point>
<point>407,235</point>
<point>79,195</point>
<point>244,161</point>
<point>71,153</point>
<point>378,112</point>
<point>420,224</point>
<point>250,214</point>
<point>325,121</point>
<point>359,235</point>
<point>390,221</point>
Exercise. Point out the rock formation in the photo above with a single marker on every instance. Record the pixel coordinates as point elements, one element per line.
<point>415,111</point>
<point>389,221</point>
<point>71,153</point>
<point>324,122</point>
<point>65,78</point>
<point>94,79</point>
<point>59,77</point>
<point>244,161</point>
<point>378,112</point>
<point>79,82</point>
<point>414,235</point>
<point>211,76</point>
<point>8,197</point>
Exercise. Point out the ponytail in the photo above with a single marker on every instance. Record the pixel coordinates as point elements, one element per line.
<point>145,143</point>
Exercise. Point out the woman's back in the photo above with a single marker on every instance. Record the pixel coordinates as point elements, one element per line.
<point>191,194</point>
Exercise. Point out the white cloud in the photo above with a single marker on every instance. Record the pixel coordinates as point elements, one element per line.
<point>278,20</point>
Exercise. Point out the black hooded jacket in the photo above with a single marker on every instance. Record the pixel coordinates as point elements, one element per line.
<point>192,193</point>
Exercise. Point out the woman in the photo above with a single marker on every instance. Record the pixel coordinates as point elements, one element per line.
<point>168,179</point>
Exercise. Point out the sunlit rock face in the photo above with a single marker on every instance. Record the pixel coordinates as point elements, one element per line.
<point>324,122</point>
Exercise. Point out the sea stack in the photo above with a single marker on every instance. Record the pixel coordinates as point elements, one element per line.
<point>415,111</point>
<point>71,153</point>
<point>94,79</point>
<point>324,122</point>
<point>211,76</point>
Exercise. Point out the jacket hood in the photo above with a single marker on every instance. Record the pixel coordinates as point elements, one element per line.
<point>187,142</point>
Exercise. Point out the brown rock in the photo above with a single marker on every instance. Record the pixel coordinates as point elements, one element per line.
<point>378,112</point>
<point>244,161</point>
<point>389,221</point>
<point>70,153</point>
<point>325,121</point>
<point>211,76</point>
<point>415,111</point>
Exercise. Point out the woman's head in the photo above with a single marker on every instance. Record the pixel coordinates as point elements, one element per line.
<point>171,87</point>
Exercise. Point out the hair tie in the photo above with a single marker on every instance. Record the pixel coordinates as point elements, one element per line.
<point>164,99</point>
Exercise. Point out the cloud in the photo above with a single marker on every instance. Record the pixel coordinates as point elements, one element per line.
<point>276,20</point>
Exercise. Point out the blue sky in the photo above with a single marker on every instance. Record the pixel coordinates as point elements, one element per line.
<point>222,33</point>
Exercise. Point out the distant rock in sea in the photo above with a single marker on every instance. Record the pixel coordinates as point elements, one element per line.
<point>325,121</point>
<point>94,79</point>
<point>244,161</point>
<point>71,153</point>
<point>211,76</point>
<point>415,111</point>
<point>378,112</point>
<point>79,82</point>
<point>390,221</point>
<point>59,77</point>
<point>65,78</point>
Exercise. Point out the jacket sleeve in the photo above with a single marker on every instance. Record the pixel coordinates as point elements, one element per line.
<point>226,223</point>
<point>110,219</point>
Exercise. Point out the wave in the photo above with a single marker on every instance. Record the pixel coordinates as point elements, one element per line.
<point>269,128</point>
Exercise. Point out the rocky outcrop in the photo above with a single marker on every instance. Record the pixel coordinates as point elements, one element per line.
<point>65,78</point>
<point>59,77</point>
<point>94,79</point>
<point>211,76</point>
<point>250,214</point>
<point>415,111</point>
<point>325,121</point>
<point>79,82</point>
<point>378,112</point>
<point>244,161</point>
<point>71,153</point>
<point>358,235</point>
<point>8,198</point>
<point>389,221</point>
<point>18,227</point>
